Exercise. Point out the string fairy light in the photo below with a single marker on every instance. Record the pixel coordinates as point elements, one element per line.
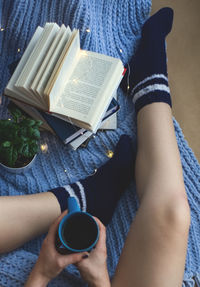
<point>83,53</point>
<point>18,50</point>
<point>108,152</point>
<point>128,78</point>
<point>75,81</point>
<point>88,30</point>
<point>44,148</point>
<point>2,29</point>
<point>65,174</point>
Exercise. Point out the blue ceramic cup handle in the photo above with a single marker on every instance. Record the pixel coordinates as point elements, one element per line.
<point>72,205</point>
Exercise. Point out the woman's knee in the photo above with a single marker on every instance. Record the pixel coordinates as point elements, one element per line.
<point>172,212</point>
<point>178,214</point>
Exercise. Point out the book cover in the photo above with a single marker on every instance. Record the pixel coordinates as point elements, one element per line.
<point>68,132</point>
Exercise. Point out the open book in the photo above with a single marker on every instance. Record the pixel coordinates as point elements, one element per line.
<point>55,75</point>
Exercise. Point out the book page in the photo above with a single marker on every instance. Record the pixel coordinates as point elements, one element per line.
<point>59,65</point>
<point>32,65</point>
<point>81,139</point>
<point>47,57</point>
<point>66,68</point>
<point>86,89</point>
<point>10,89</point>
<point>53,61</point>
<point>84,85</point>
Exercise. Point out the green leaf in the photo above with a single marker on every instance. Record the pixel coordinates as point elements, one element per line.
<point>20,147</point>
<point>28,122</point>
<point>9,156</point>
<point>6,144</point>
<point>5,123</point>
<point>16,113</point>
<point>33,148</point>
<point>14,156</point>
<point>23,132</point>
<point>25,150</point>
<point>36,134</point>
<point>38,123</point>
<point>30,132</point>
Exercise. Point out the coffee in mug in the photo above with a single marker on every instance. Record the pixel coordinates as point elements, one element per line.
<point>78,231</point>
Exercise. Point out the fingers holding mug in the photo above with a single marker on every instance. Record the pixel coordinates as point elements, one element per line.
<point>93,268</point>
<point>101,243</point>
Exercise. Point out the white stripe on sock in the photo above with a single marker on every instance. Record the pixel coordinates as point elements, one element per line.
<point>72,193</point>
<point>148,89</point>
<point>82,193</point>
<point>148,79</point>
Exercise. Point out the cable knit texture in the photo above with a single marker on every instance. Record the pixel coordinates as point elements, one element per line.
<point>115,27</point>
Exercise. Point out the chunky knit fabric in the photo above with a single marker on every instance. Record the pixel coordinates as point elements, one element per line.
<point>114,29</point>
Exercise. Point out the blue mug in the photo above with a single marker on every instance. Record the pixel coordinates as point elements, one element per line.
<point>77,232</point>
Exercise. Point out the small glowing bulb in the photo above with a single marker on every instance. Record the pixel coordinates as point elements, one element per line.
<point>109,153</point>
<point>83,53</point>
<point>2,29</point>
<point>9,119</point>
<point>18,50</point>
<point>120,50</point>
<point>75,81</point>
<point>128,87</point>
<point>44,148</point>
<point>95,170</point>
<point>88,30</point>
<point>65,170</point>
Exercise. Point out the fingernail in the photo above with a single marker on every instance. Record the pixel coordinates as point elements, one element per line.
<point>85,256</point>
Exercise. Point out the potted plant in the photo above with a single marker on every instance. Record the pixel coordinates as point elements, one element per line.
<point>18,140</point>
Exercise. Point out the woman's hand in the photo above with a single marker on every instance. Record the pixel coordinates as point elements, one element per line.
<point>50,263</point>
<point>93,269</point>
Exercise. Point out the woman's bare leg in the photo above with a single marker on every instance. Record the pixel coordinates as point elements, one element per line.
<point>155,249</point>
<point>24,217</point>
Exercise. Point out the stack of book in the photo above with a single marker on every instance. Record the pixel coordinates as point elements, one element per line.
<point>71,90</point>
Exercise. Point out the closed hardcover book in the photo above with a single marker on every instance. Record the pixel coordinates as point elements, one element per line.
<point>68,132</point>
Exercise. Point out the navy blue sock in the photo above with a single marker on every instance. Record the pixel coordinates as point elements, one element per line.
<point>148,79</point>
<point>98,194</point>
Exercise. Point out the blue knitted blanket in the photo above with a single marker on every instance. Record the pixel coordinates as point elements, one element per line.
<point>111,27</point>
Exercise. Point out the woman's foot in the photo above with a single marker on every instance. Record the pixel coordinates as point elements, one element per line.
<point>99,194</point>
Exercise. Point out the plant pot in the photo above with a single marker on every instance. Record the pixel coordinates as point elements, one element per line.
<point>19,169</point>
